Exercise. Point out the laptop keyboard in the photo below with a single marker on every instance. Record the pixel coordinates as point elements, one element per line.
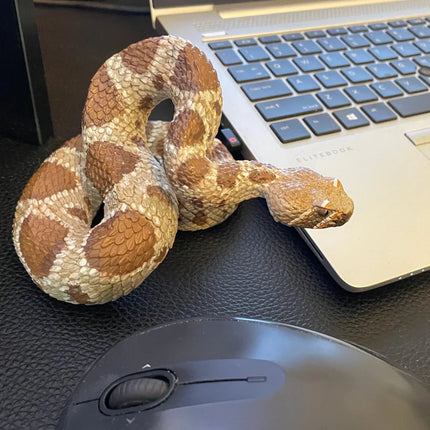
<point>322,81</point>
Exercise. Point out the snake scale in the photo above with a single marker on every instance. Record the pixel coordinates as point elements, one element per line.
<point>152,177</point>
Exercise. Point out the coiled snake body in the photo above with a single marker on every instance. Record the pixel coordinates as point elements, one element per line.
<point>153,178</point>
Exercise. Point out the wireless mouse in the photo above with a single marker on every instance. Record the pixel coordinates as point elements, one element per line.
<point>237,374</point>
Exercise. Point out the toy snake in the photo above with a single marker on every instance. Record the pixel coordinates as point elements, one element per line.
<point>153,178</point>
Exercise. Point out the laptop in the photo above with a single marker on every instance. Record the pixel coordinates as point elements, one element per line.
<point>342,87</point>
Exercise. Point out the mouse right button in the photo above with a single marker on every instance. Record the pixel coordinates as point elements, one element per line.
<point>227,369</point>
<point>212,381</point>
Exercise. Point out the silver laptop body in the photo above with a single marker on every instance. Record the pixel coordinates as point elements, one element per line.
<point>385,173</point>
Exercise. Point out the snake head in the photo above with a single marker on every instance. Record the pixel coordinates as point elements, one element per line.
<point>304,198</point>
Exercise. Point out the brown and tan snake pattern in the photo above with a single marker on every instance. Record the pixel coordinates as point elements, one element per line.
<point>153,178</point>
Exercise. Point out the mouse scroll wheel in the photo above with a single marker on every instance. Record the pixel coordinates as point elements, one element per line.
<point>137,392</point>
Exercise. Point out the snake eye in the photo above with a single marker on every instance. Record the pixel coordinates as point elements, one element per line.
<point>322,211</point>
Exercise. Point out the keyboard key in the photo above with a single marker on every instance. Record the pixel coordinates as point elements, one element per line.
<point>378,26</point>
<point>420,31</point>
<point>361,94</point>
<point>382,71</point>
<point>282,67</point>
<point>322,124</point>
<point>290,37</point>
<point>406,49</point>
<point>383,53</point>
<point>404,67</point>
<point>378,37</point>
<point>306,47</point>
<point>308,64</point>
<point>222,44</point>
<point>386,89</point>
<point>269,39</point>
<point>333,99</point>
<point>351,118</point>
<point>228,57</point>
<point>266,89</point>
<point>412,105</point>
<point>426,79</point>
<point>357,75</point>
<point>248,72</point>
<point>334,60</point>
<point>254,53</point>
<point>379,112</point>
<point>357,28</point>
<point>416,21</point>
<point>411,85</point>
<point>281,50</point>
<point>359,56</point>
<point>397,23</point>
<point>245,42</point>
<point>424,45</point>
<point>401,34</point>
<point>313,34</point>
<point>288,107</point>
<point>331,79</point>
<point>331,44</point>
<point>355,41</point>
<point>423,61</point>
<point>303,83</point>
<point>290,130</point>
<point>337,31</point>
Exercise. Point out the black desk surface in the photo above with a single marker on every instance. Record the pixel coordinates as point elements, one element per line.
<point>249,266</point>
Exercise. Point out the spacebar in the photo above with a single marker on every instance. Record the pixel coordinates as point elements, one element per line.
<point>412,105</point>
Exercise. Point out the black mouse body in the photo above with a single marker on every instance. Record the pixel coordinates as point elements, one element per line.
<point>236,374</point>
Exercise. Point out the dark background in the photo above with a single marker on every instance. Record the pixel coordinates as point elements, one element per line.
<point>23,93</point>
<point>249,266</point>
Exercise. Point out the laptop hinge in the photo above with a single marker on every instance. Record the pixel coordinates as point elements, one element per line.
<point>157,12</point>
<point>273,7</point>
